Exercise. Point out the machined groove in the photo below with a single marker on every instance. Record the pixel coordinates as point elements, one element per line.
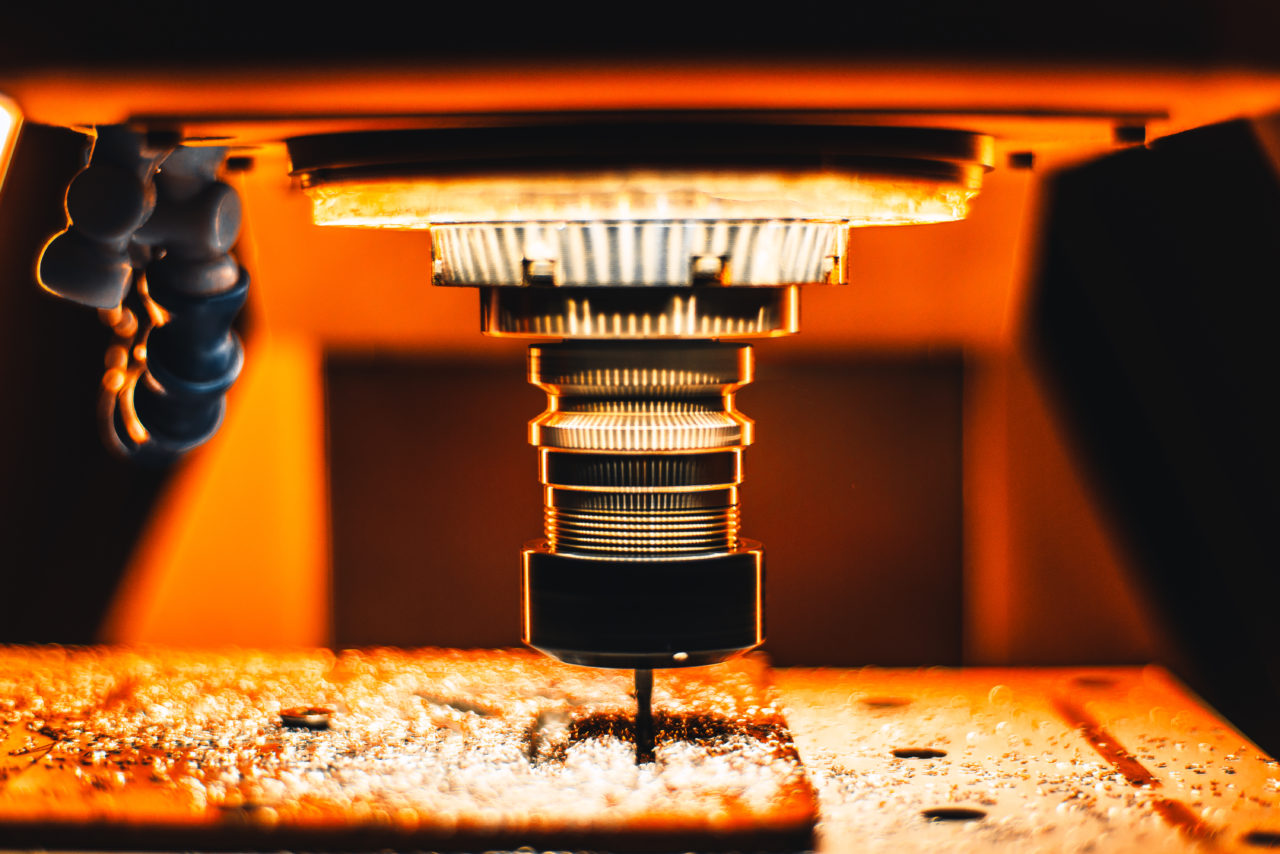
<point>661,313</point>
<point>612,368</point>
<point>639,499</point>
<point>572,542</point>
<point>647,522</point>
<point>665,382</point>
<point>656,471</point>
<point>642,407</point>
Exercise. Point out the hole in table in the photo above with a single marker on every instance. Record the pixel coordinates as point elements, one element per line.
<point>1088,681</point>
<point>918,753</point>
<point>1263,838</point>
<point>954,814</point>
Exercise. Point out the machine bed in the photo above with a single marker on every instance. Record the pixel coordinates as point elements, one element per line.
<point>477,750</point>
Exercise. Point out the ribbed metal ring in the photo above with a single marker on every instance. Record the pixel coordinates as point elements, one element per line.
<point>675,253</point>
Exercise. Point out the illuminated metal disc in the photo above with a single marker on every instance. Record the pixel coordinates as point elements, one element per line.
<point>638,166</point>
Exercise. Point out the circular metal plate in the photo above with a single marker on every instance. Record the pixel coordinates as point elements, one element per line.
<point>640,167</point>
<point>492,144</point>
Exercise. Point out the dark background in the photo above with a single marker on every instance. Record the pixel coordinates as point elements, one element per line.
<point>1178,32</point>
<point>1152,320</point>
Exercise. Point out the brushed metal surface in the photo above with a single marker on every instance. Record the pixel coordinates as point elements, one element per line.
<point>1054,759</point>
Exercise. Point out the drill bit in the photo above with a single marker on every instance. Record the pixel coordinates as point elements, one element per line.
<point>644,716</point>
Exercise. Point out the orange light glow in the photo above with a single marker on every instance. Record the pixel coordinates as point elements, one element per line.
<point>113,380</point>
<point>211,572</point>
<point>10,120</point>
<point>132,424</point>
<point>266,104</point>
<point>122,321</point>
<point>631,196</point>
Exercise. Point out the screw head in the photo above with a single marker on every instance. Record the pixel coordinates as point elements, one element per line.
<point>306,717</point>
<point>1022,160</point>
<point>1129,134</point>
